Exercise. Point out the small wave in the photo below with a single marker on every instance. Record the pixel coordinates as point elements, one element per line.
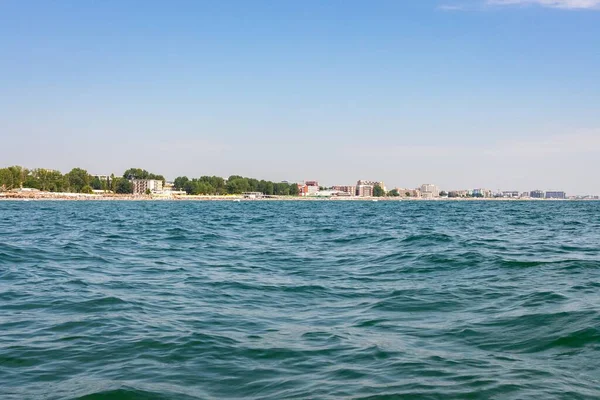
<point>133,394</point>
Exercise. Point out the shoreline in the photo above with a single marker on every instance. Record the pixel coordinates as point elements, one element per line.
<point>49,196</point>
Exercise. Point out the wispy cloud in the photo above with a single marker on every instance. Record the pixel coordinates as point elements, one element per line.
<point>452,7</point>
<point>564,4</point>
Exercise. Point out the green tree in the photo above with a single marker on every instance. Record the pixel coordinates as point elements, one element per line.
<point>78,178</point>
<point>180,182</point>
<point>393,193</point>
<point>96,183</point>
<point>407,194</point>
<point>443,194</point>
<point>138,173</point>
<point>87,189</point>
<point>6,179</point>
<point>123,186</point>
<point>148,192</point>
<point>31,182</point>
<point>48,180</point>
<point>378,191</point>
<point>112,183</point>
<point>237,185</point>
<point>190,187</point>
<point>17,177</point>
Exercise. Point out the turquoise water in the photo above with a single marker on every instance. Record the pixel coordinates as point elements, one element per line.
<point>275,300</point>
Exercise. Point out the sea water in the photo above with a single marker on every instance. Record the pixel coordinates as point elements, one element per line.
<point>322,299</point>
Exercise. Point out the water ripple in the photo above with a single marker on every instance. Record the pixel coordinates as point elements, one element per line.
<point>275,300</point>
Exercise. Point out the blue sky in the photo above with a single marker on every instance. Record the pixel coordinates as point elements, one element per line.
<point>497,94</point>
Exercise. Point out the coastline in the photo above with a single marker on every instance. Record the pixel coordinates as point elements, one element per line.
<point>50,196</point>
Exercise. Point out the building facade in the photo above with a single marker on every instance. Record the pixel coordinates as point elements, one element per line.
<point>537,194</point>
<point>348,190</point>
<point>556,195</point>
<point>371,183</point>
<point>487,193</point>
<point>364,190</point>
<point>429,190</point>
<point>140,186</point>
<point>308,188</point>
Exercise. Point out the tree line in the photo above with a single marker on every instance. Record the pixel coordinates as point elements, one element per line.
<point>77,180</point>
<point>235,184</point>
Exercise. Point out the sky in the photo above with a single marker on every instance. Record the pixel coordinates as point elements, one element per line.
<point>498,94</point>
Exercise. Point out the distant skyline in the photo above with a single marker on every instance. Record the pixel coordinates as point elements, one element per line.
<point>501,94</point>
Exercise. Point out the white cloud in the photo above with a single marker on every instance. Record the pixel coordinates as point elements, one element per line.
<point>564,4</point>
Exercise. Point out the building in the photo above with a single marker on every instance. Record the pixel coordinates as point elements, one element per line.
<point>347,190</point>
<point>308,188</point>
<point>364,190</point>
<point>556,195</point>
<point>416,193</point>
<point>253,195</point>
<point>169,190</point>
<point>302,189</point>
<point>141,186</point>
<point>371,183</point>
<point>537,194</point>
<point>510,193</point>
<point>429,190</point>
<point>487,193</point>
<point>458,193</point>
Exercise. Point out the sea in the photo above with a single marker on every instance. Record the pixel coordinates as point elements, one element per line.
<point>299,300</point>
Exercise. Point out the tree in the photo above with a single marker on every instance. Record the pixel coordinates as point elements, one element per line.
<point>6,179</point>
<point>180,182</point>
<point>46,180</point>
<point>148,192</point>
<point>378,191</point>
<point>112,183</point>
<point>87,189</point>
<point>443,194</point>
<point>138,173</point>
<point>267,188</point>
<point>123,186</point>
<point>96,183</point>
<point>78,178</point>
<point>31,182</point>
<point>12,177</point>
<point>393,193</point>
<point>407,194</point>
